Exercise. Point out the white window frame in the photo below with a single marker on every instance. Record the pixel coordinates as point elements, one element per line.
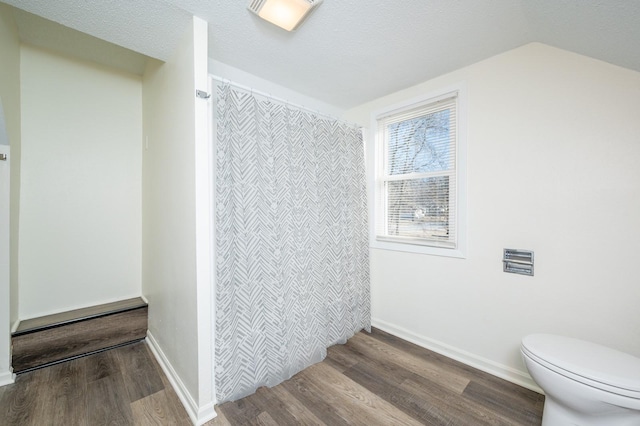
<point>376,155</point>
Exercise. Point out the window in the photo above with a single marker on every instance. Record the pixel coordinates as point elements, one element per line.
<point>419,186</point>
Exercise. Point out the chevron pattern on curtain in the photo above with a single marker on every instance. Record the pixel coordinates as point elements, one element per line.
<point>292,267</point>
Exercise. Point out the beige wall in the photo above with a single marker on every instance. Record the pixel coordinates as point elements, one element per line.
<point>553,150</point>
<point>80,217</point>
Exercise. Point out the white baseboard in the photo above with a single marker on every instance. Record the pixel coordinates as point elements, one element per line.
<point>198,415</point>
<point>504,372</point>
<point>206,413</point>
<point>7,378</point>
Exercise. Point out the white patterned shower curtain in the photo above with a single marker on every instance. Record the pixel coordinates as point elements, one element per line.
<point>292,268</point>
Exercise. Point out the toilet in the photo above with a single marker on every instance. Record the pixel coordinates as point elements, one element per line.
<point>585,384</point>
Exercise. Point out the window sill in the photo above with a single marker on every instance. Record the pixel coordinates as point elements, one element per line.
<point>418,249</point>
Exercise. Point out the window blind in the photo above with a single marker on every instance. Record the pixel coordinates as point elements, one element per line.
<point>417,180</point>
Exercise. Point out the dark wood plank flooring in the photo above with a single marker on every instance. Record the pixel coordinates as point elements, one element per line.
<point>375,379</point>
<point>379,379</point>
<point>122,386</point>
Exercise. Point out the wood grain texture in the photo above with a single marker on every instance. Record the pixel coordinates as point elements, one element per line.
<point>264,419</point>
<point>220,420</point>
<point>93,390</point>
<point>375,349</point>
<point>64,401</point>
<point>155,409</point>
<point>100,365</point>
<point>277,410</point>
<point>109,407</point>
<point>142,378</point>
<point>299,411</point>
<point>53,320</point>
<point>355,401</point>
<point>22,404</point>
<point>379,379</point>
<point>417,407</point>
<point>311,396</point>
<point>375,379</point>
<point>51,345</point>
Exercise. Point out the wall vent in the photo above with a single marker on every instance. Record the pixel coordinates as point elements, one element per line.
<point>518,261</point>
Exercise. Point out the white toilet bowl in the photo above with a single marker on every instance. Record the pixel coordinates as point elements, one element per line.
<point>585,384</point>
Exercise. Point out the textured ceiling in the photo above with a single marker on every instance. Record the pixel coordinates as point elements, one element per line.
<point>43,33</point>
<point>349,51</point>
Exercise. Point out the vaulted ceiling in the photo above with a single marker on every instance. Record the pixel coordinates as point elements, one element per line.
<point>352,51</point>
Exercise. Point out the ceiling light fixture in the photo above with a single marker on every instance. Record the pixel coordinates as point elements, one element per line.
<point>287,14</point>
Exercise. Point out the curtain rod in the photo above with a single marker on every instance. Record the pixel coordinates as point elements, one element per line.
<point>280,100</point>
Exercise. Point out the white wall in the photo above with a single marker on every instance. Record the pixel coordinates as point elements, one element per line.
<point>5,306</point>
<point>554,144</point>
<point>10,99</point>
<point>9,183</point>
<point>237,76</point>
<point>175,277</point>
<point>80,216</point>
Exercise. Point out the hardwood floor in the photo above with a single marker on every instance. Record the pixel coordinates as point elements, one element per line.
<point>379,379</point>
<point>122,386</point>
<point>374,379</point>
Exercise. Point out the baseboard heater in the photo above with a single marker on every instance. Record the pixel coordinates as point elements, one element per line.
<point>48,340</point>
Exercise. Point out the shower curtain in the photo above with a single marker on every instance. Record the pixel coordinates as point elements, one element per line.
<point>292,267</point>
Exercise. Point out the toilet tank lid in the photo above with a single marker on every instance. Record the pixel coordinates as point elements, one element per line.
<point>586,359</point>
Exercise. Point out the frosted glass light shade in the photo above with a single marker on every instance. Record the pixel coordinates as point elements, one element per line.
<point>286,14</point>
